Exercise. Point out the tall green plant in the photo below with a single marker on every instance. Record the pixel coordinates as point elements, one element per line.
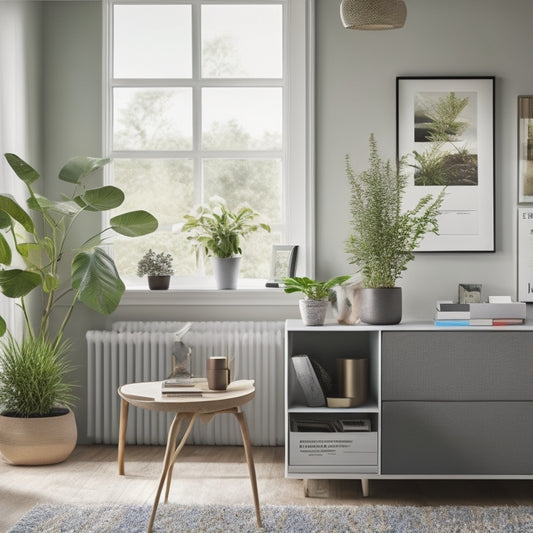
<point>41,242</point>
<point>384,236</point>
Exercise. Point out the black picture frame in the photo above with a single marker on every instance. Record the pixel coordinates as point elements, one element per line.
<point>445,136</point>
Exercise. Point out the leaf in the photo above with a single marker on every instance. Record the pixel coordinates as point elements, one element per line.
<point>5,251</point>
<point>10,206</point>
<point>42,204</point>
<point>101,199</point>
<point>95,276</point>
<point>16,283</point>
<point>79,167</point>
<point>3,326</point>
<point>51,283</point>
<point>5,220</point>
<point>134,223</point>
<point>24,171</point>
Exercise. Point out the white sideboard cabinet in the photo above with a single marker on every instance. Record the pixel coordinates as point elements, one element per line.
<point>443,403</point>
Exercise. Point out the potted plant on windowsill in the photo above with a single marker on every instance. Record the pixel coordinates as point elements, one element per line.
<point>37,425</point>
<point>158,268</point>
<point>215,231</point>
<point>384,235</point>
<point>314,306</point>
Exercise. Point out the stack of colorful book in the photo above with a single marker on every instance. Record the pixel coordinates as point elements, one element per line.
<point>480,314</point>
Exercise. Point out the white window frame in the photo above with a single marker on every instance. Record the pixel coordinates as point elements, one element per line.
<point>298,129</point>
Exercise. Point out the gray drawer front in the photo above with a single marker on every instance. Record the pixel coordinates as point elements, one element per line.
<point>457,438</point>
<point>457,365</point>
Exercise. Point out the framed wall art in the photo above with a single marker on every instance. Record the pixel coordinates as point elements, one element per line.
<point>525,254</point>
<point>445,136</point>
<point>525,149</point>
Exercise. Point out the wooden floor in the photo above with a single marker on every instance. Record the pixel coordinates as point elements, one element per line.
<point>218,474</point>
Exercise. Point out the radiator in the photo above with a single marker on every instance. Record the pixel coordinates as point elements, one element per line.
<point>140,351</point>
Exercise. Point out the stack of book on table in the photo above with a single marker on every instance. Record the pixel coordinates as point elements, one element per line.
<point>498,313</point>
<point>180,387</point>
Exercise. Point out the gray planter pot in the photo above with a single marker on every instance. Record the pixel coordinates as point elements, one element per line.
<point>226,271</point>
<point>381,306</point>
<point>313,312</point>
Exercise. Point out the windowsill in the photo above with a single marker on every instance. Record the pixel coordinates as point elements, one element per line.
<point>248,292</point>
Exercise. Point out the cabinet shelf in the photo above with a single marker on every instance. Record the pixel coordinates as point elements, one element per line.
<point>369,407</point>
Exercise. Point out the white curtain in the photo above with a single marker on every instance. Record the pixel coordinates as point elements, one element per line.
<point>17,20</point>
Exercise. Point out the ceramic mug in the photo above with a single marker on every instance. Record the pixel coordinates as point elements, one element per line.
<point>218,375</point>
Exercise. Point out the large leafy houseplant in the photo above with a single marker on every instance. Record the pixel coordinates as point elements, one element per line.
<point>384,235</point>
<point>38,238</point>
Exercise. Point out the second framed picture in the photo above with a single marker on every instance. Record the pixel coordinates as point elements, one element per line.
<point>445,135</point>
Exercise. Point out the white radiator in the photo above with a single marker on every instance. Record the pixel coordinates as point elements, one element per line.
<point>140,351</point>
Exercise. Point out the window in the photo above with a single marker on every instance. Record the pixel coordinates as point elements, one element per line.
<point>210,98</point>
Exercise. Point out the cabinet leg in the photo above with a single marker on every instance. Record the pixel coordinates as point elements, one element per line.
<point>364,487</point>
<point>305,483</point>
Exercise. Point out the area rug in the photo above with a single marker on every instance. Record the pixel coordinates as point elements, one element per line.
<point>48,518</point>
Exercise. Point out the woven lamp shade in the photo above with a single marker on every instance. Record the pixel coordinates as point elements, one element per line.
<point>373,14</point>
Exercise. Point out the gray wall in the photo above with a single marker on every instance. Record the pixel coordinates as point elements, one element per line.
<point>355,95</point>
<point>356,74</point>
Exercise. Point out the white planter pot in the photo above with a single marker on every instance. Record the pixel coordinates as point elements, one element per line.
<point>226,271</point>
<point>313,312</point>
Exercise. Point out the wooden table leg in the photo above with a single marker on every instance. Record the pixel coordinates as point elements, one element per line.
<point>124,407</point>
<point>170,457</point>
<point>250,460</point>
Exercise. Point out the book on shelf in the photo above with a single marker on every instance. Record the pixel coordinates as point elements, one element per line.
<point>453,307</point>
<point>452,315</point>
<point>480,322</point>
<point>308,379</point>
<point>498,311</point>
<point>329,425</point>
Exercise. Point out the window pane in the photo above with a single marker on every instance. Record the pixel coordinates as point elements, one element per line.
<point>253,182</point>
<point>128,252</point>
<point>152,119</point>
<point>152,41</point>
<point>242,41</point>
<point>242,118</point>
<point>164,187</point>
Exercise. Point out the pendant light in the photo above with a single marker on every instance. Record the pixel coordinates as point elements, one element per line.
<point>373,14</point>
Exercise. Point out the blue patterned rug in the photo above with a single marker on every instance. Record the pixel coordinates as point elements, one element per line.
<point>48,518</point>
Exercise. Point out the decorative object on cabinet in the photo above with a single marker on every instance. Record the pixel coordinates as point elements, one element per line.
<point>215,231</point>
<point>445,128</point>
<point>525,149</point>
<point>470,293</point>
<point>158,268</point>
<point>314,306</point>
<point>344,300</point>
<point>373,14</point>
<point>383,236</point>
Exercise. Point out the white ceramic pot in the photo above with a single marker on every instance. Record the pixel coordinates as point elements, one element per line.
<point>313,312</point>
<point>226,271</point>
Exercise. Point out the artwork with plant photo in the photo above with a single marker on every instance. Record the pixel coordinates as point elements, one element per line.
<point>445,136</point>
